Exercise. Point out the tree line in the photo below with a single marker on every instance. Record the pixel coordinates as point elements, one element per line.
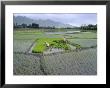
<point>89,27</point>
<point>34,25</point>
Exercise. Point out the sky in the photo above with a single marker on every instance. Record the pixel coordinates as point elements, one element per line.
<point>71,18</point>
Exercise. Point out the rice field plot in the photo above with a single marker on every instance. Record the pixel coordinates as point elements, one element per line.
<point>82,35</point>
<point>24,36</point>
<point>84,42</point>
<point>26,65</point>
<point>21,35</point>
<point>22,45</point>
<point>24,39</point>
<point>74,63</point>
<point>53,35</point>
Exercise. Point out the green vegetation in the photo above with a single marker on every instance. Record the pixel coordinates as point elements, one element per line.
<point>53,42</point>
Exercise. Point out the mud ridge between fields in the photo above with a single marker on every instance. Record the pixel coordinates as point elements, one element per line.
<point>31,46</point>
<point>42,66</point>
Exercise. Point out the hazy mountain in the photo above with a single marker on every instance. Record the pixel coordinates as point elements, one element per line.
<point>43,23</point>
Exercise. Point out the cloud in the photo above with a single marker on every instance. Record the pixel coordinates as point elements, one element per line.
<point>71,18</point>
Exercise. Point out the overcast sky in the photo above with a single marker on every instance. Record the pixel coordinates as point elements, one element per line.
<point>73,19</point>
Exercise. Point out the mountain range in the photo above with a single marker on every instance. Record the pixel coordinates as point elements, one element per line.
<point>42,23</point>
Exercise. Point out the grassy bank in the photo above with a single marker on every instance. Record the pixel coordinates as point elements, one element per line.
<point>41,46</point>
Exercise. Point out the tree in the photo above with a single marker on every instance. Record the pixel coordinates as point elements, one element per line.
<point>24,25</point>
<point>89,27</point>
<point>34,25</point>
<point>29,26</point>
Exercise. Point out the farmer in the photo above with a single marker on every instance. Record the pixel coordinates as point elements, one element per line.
<point>47,44</point>
<point>64,39</point>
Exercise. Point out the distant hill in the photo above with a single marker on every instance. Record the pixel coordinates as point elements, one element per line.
<point>42,23</point>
